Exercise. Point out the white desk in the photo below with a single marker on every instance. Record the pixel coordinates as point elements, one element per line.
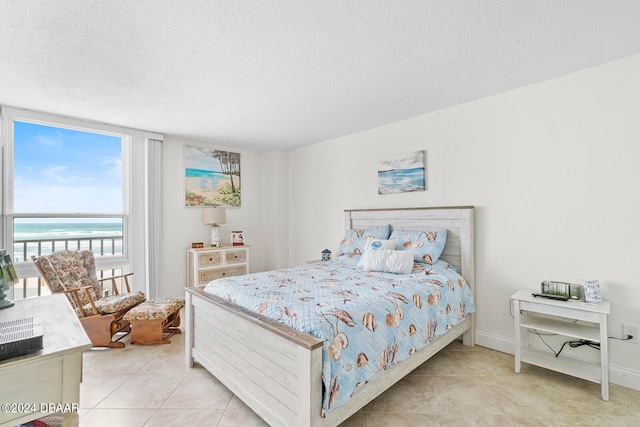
<point>554,312</point>
<point>48,378</point>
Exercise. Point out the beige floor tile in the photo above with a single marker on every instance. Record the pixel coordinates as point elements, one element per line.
<point>238,405</point>
<point>400,419</point>
<point>405,396</point>
<point>142,391</point>
<point>116,417</point>
<point>185,417</point>
<point>461,386</point>
<point>446,394</point>
<point>92,392</point>
<point>241,418</point>
<point>356,420</point>
<point>463,419</point>
<point>199,390</point>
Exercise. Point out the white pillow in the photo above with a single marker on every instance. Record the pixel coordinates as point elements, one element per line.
<point>374,244</point>
<point>377,244</point>
<point>388,261</point>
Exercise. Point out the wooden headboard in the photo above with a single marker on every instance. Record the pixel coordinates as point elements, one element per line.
<point>458,220</point>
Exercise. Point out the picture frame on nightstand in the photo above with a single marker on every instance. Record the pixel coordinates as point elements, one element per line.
<point>237,238</point>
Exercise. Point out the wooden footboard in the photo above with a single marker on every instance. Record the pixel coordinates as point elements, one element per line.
<point>274,369</point>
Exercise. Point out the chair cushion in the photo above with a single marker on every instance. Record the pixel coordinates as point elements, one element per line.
<point>66,270</point>
<point>114,303</point>
<point>155,309</point>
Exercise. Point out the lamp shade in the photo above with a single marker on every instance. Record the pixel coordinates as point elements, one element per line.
<point>215,215</point>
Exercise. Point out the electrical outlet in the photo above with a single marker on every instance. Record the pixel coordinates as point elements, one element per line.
<point>630,330</point>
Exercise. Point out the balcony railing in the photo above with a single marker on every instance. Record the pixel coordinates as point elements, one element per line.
<point>23,250</point>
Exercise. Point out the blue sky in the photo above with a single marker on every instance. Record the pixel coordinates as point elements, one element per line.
<point>58,170</point>
<point>200,158</point>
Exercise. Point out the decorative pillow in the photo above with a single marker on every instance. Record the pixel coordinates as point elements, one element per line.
<point>376,244</point>
<point>427,245</point>
<point>388,261</point>
<point>354,241</point>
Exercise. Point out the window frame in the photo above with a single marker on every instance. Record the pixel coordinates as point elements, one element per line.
<point>9,116</point>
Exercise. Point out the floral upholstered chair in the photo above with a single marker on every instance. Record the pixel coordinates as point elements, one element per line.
<point>74,274</point>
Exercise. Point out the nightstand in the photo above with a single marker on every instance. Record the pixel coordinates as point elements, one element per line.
<point>207,264</point>
<point>559,317</point>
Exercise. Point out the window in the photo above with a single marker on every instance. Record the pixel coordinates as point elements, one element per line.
<point>68,183</point>
<point>61,170</point>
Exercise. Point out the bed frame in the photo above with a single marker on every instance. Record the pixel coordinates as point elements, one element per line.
<point>276,370</point>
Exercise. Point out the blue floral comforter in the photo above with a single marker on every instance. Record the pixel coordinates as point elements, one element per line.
<point>368,320</point>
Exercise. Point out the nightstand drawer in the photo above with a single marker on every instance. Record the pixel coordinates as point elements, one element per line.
<point>210,259</point>
<point>205,276</point>
<point>235,256</point>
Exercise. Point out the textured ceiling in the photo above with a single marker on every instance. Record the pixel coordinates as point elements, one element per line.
<point>281,74</point>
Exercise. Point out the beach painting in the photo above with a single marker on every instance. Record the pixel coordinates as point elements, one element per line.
<point>212,177</point>
<point>401,173</point>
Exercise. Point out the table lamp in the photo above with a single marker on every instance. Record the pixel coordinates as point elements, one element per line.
<point>214,216</point>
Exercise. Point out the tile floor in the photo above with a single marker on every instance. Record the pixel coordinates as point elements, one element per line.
<point>461,386</point>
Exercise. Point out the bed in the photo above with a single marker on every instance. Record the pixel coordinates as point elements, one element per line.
<point>277,370</point>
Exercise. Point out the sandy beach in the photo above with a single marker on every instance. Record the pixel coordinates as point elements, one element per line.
<point>206,189</point>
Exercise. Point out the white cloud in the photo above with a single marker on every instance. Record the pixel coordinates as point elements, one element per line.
<point>200,158</point>
<point>113,166</point>
<point>49,140</point>
<point>58,174</point>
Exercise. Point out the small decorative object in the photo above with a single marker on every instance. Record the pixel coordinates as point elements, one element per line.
<point>197,245</point>
<point>8,277</point>
<point>214,216</point>
<point>591,291</point>
<point>326,255</point>
<point>562,289</point>
<point>236,238</point>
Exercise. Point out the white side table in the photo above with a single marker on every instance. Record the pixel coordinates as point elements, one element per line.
<point>207,264</point>
<point>554,321</point>
<point>48,376</point>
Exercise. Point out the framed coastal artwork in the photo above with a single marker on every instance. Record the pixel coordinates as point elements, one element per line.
<point>402,173</point>
<point>212,177</point>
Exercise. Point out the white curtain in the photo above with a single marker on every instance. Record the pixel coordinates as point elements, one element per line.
<point>153,214</point>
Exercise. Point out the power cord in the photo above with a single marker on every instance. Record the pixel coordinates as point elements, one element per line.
<point>629,337</point>
<point>576,344</point>
<point>580,343</point>
<point>572,344</point>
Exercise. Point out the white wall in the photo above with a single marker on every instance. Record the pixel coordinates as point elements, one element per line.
<point>275,208</point>
<point>552,170</point>
<point>183,225</point>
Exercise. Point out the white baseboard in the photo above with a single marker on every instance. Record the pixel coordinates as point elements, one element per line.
<point>495,342</point>
<point>624,377</point>
<point>617,375</point>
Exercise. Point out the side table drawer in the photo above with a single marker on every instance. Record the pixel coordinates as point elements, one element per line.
<point>210,259</point>
<point>205,276</point>
<point>239,255</point>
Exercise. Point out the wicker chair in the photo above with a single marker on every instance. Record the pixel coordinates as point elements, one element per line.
<point>74,274</point>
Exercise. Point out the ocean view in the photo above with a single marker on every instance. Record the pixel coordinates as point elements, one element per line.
<point>43,238</point>
<point>401,180</point>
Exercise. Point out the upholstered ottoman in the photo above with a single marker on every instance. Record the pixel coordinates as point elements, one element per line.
<point>152,319</point>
